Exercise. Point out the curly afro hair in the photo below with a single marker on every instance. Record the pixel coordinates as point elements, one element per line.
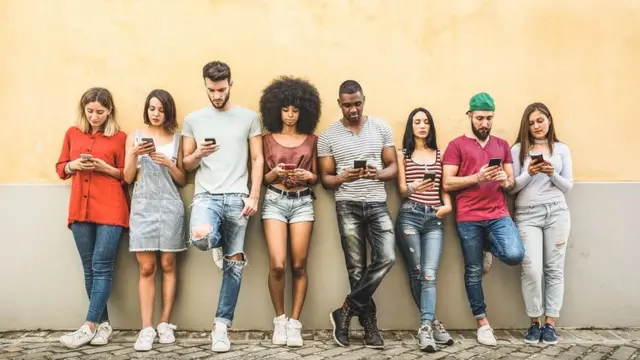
<point>287,91</point>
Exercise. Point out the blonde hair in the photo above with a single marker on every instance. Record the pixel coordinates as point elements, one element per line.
<point>104,97</point>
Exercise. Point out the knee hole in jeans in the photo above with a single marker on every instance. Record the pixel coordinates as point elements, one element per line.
<point>201,231</point>
<point>429,275</point>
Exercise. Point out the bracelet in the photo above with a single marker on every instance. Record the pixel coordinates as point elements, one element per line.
<point>67,169</point>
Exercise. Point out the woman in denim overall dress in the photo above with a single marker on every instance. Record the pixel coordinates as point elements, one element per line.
<point>154,162</point>
<point>419,230</point>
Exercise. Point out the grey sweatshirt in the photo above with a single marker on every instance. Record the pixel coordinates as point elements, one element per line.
<point>542,188</point>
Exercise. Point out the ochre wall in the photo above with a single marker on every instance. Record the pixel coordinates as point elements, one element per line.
<point>579,59</point>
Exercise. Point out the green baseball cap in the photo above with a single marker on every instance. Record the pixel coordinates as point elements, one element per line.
<point>481,101</point>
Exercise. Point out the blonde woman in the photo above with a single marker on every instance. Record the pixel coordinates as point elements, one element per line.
<point>93,153</point>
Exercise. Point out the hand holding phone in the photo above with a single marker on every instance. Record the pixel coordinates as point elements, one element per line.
<point>429,176</point>
<point>147,145</point>
<point>211,140</point>
<point>537,158</point>
<point>207,147</point>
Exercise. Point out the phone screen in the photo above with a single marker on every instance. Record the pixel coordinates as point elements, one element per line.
<point>537,158</point>
<point>495,162</point>
<point>360,164</point>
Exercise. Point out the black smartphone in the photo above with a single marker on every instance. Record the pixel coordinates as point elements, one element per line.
<point>212,140</point>
<point>148,140</point>
<point>495,162</point>
<point>431,176</point>
<point>537,158</point>
<point>359,164</point>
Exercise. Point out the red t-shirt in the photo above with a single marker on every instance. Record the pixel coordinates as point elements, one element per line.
<point>486,201</point>
<point>95,197</point>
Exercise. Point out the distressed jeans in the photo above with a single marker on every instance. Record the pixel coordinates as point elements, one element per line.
<point>97,245</point>
<point>419,234</point>
<point>545,232</point>
<point>220,215</point>
<point>504,243</point>
<point>359,223</point>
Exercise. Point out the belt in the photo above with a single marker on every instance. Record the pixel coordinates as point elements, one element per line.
<point>293,194</point>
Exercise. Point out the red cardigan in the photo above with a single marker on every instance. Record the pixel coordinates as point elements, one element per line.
<point>95,197</point>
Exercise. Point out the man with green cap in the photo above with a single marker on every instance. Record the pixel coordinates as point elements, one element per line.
<point>478,170</point>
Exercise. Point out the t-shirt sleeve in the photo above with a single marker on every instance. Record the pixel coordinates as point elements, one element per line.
<point>324,147</point>
<point>452,154</point>
<point>187,130</point>
<point>254,128</point>
<point>387,135</point>
<point>508,159</point>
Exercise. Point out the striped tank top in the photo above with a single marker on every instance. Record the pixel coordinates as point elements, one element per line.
<point>415,171</point>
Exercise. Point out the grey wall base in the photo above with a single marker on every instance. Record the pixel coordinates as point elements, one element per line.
<point>42,283</point>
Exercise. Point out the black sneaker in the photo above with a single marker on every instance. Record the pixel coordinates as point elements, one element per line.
<point>533,334</point>
<point>341,320</point>
<point>372,338</point>
<point>549,335</point>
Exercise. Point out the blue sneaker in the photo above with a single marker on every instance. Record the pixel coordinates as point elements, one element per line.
<point>533,334</point>
<point>549,335</point>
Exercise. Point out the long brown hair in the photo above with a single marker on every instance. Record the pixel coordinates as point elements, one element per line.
<point>525,138</point>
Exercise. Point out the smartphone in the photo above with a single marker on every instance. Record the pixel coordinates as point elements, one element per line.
<point>359,164</point>
<point>212,140</point>
<point>148,140</point>
<point>431,176</point>
<point>495,162</point>
<point>86,156</point>
<point>288,167</point>
<point>537,158</point>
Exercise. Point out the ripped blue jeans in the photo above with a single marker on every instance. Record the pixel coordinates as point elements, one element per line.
<point>215,221</point>
<point>419,234</point>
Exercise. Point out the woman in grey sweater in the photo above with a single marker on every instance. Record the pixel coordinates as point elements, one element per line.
<point>542,166</point>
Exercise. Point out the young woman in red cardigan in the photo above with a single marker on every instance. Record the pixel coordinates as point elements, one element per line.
<point>93,153</point>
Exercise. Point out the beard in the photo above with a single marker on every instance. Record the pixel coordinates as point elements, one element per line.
<point>224,102</point>
<point>482,135</point>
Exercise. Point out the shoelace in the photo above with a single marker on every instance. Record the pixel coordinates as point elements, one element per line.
<point>370,325</point>
<point>146,334</point>
<point>440,327</point>
<point>426,329</point>
<point>346,319</point>
<point>78,334</point>
<point>280,329</point>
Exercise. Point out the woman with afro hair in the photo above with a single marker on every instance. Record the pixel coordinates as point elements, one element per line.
<point>290,109</point>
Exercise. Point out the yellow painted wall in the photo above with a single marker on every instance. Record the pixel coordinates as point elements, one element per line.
<point>580,57</point>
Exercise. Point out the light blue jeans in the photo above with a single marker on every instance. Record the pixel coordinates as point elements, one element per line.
<point>97,245</point>
<point>544,229</point>
<point>419,235</point>
<point>222,213</point>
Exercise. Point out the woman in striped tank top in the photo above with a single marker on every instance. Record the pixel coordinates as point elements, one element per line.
<point>419,230</point>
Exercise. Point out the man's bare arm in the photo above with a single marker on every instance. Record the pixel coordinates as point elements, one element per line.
<point>328,177</point>
<point>451,182</point>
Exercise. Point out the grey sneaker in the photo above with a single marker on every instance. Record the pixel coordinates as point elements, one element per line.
<point>440,334</point>
<point>425,339</point>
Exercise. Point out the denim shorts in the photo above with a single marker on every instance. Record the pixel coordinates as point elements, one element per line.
<point>289,209</point>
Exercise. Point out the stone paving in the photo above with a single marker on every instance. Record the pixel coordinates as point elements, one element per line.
<point>574,344</point>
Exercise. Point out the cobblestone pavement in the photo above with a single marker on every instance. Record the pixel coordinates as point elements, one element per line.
<point>574,344</point>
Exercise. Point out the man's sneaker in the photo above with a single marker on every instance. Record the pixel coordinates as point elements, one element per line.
<point>165,333</point>
<point>341,321</point>
<point>485,336</point>
<point>440,334</point>
<point>103,334</point>
<point>219,340</point>
<point>549,335</point>
<point>534,334</point>
<point>218,256</point>
<point>279,330</point>
<point>425,339</point>
<point>488,259</point>
<point>145,339</point>
<point>78,338</point>
<point>294,336</point>
<point>372,337</point>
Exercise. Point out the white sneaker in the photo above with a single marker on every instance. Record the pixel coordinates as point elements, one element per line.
<point>218,256</point>
<point>219,339</point>
<point>78,338</point>
<point>165,333</point>
<point>294,336</point>
<point>485,336</point>
<point>103,334</point>
<point>279,330</point>
<point>145,339</point>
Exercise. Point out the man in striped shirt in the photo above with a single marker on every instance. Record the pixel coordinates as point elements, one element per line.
<point>357,155</point>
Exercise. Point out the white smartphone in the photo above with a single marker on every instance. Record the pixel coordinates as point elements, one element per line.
<point>86,156</point>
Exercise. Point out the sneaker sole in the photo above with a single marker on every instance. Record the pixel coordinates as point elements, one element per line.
<point>531,342</point>
<point>550,342</point>
<point>379,347</point>
<point>166,341</point>
<point>429,349</point>
<point>294,344</point>
<point>448,342</point>
<point>333,333</point>
<point>283,342</point>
